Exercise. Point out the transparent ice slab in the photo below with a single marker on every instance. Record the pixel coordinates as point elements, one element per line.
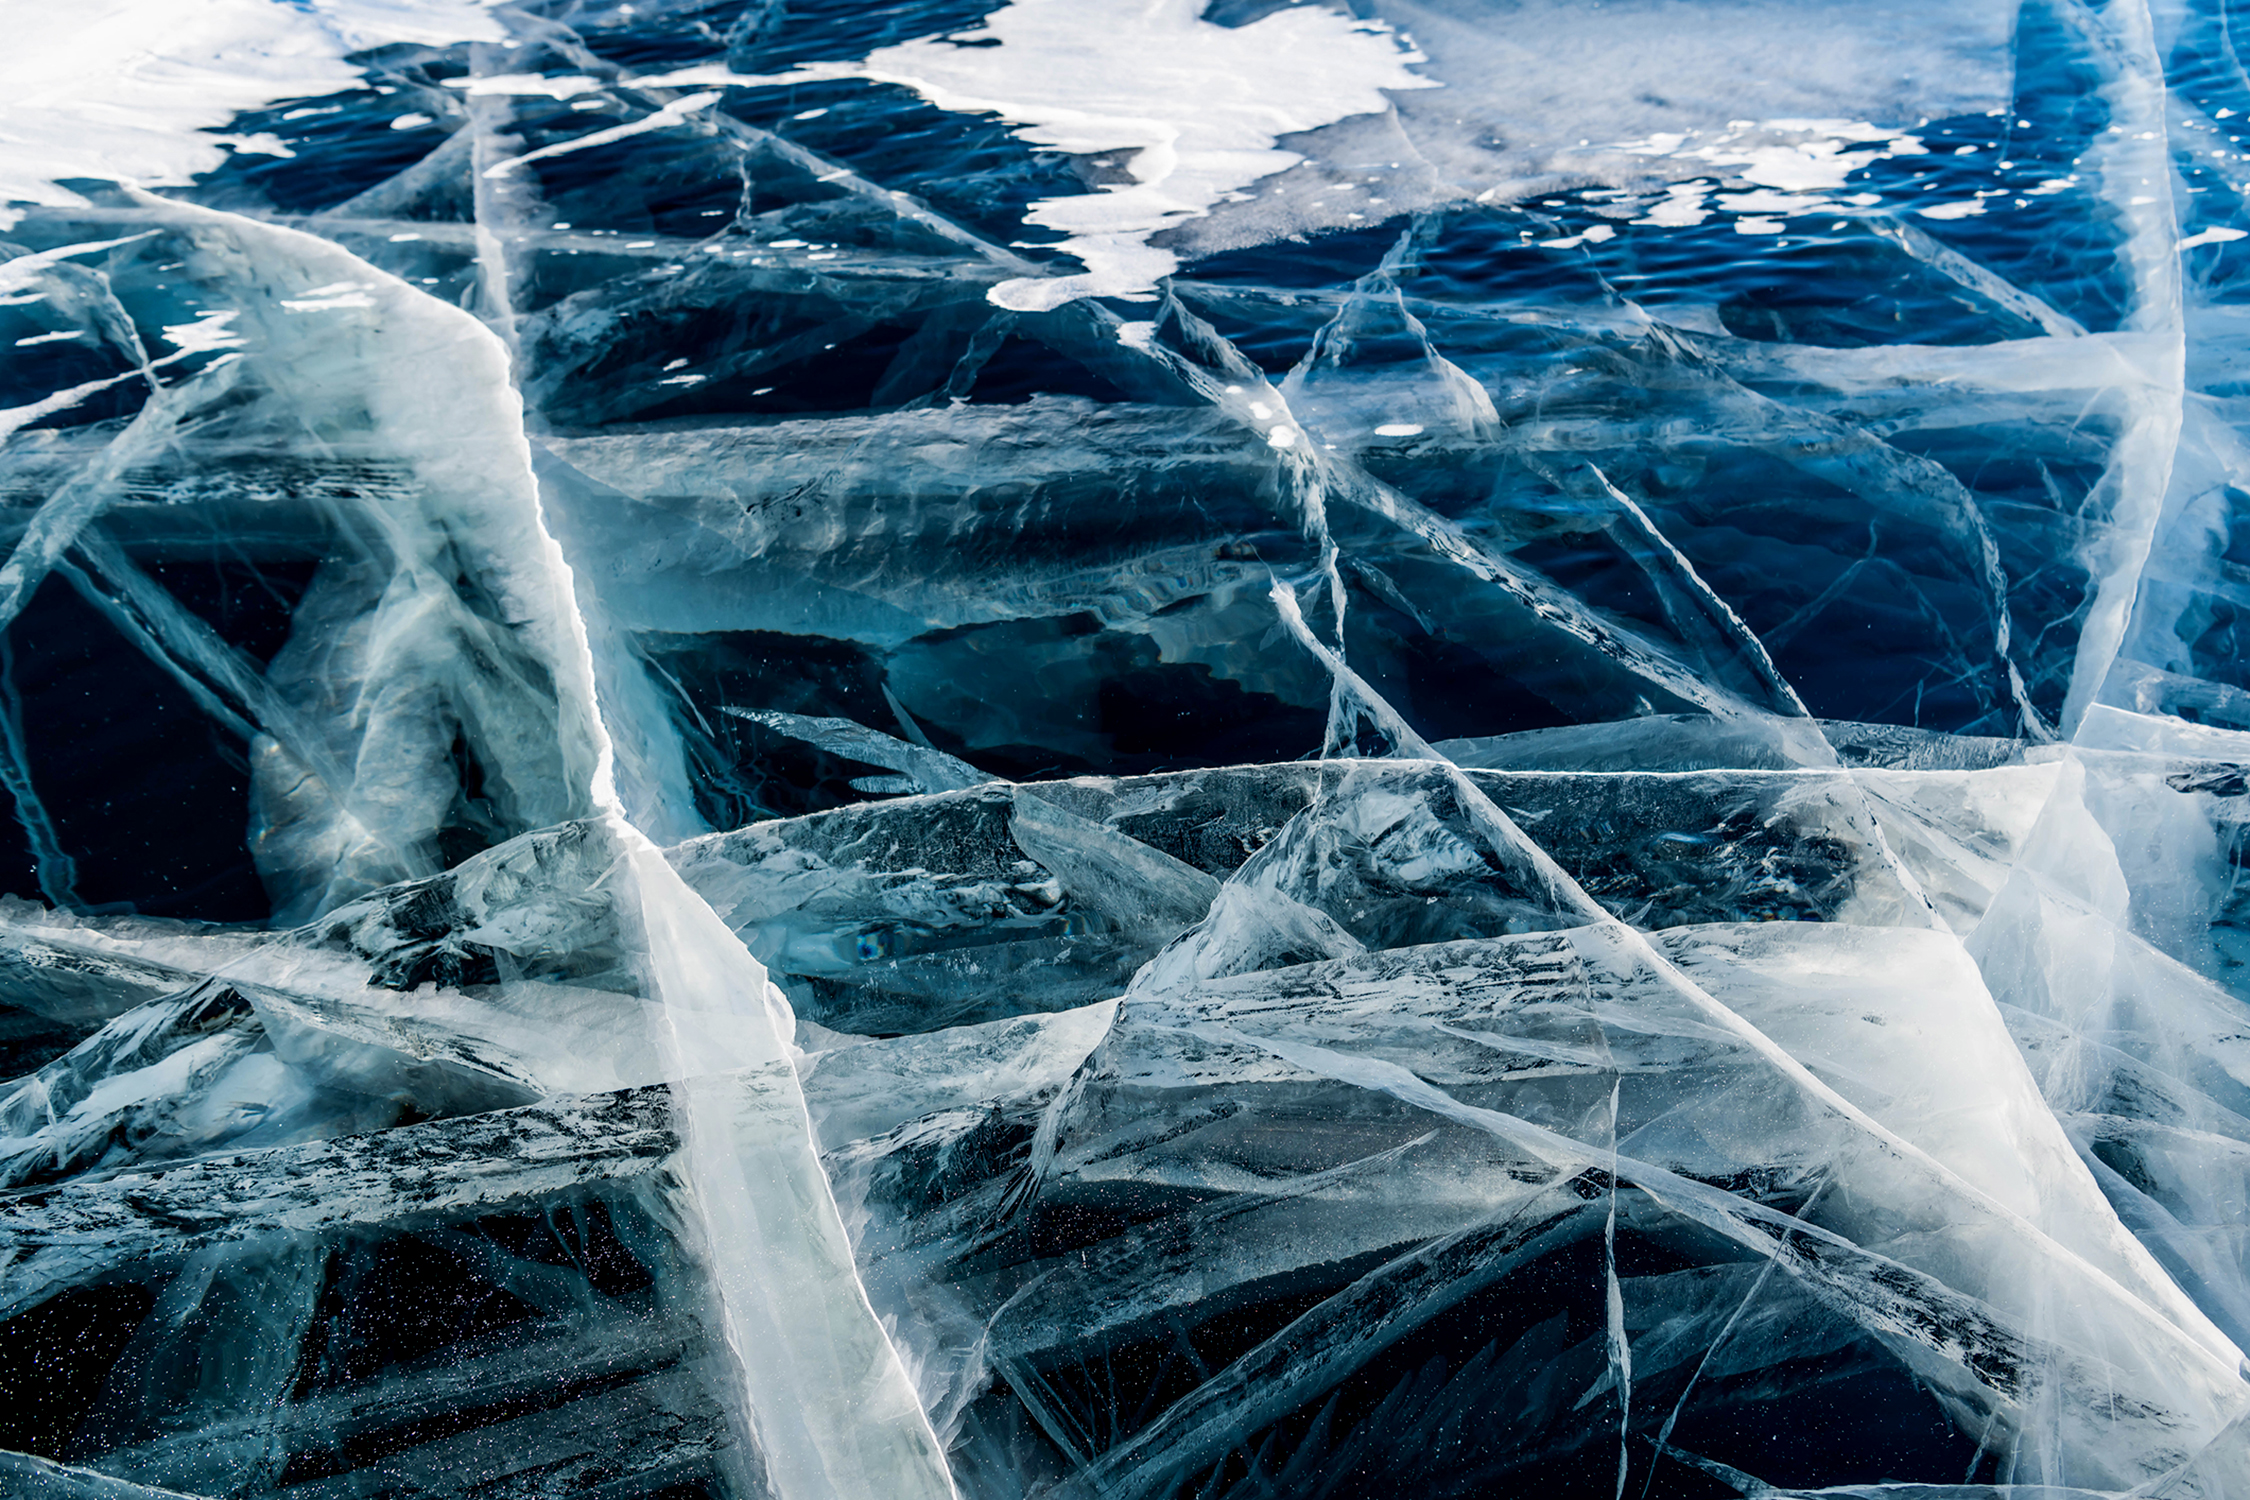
<point>838,750</point>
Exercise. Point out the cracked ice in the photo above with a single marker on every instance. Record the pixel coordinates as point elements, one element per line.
<point>1255,749</point>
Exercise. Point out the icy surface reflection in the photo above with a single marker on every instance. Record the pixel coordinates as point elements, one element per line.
<point>1255,749</point>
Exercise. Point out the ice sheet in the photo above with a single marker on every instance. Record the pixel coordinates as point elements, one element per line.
<point>1244,749</point>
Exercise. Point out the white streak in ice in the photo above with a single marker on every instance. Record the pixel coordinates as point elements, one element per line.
<point>675,113</point>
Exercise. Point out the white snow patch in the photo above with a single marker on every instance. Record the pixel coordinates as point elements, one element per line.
<point>2213,237</point>
<point>262,143</point>
<point>1591,236</point>
<point>1542,95</point>
<point>1193,109</point>
<point>1682,207</point>
<point>1789,166</point>
<point>209,331</point>
<point>128,89</point>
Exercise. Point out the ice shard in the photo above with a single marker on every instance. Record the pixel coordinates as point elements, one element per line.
<point>1219,749</point>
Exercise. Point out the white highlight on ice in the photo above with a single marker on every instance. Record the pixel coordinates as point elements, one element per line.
<point>526,85</point>
<point>329,298</point>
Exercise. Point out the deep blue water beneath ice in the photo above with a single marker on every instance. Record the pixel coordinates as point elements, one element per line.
<point>1453,747</point>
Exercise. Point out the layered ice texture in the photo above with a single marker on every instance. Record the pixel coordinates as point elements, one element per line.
<point>827,748</point>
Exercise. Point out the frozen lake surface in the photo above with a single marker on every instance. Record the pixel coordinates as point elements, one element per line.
<point>1125,748</point>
